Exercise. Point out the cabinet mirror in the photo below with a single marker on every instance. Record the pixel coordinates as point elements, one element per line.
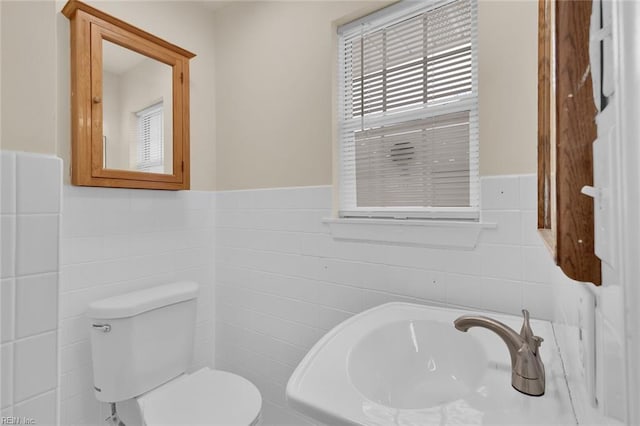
<point>130,104</point>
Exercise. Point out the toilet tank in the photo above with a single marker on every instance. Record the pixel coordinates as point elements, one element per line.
<point>142,339</point>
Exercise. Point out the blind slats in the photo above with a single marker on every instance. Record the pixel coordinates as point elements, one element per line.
<point>151,139</point>
<point>408,111</point>
<point>402,162</point>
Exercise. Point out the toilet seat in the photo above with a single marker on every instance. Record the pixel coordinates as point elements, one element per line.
<point>206,397</point>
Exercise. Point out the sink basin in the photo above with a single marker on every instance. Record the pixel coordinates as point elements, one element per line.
<point>406,364</point>
<point>416,364</point>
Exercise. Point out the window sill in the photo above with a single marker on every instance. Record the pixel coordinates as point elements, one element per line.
<point>422,233</point>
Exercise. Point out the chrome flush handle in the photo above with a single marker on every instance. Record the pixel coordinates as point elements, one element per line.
<point>105,328</point>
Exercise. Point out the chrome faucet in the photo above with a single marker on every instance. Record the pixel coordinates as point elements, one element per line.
<point>527,370</point>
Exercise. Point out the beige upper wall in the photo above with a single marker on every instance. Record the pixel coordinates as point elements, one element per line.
<point>508,86</point>
<point>28,76</point>
<point>274,92</point>
<point>36,72</point>
<point>274,103</point>
<point>273,75</point>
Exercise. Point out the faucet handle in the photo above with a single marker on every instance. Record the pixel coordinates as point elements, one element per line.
<point>527,334</point>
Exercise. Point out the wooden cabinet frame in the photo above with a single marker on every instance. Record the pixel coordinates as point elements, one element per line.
<point>89,27</point>
<point>566,132</point>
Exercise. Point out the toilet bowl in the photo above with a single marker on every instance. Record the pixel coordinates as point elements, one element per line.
<point>141,346</point>
<point>206,397</point>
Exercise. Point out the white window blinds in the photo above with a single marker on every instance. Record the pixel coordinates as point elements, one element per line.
<point>151,139</point>
<point>408,116</point>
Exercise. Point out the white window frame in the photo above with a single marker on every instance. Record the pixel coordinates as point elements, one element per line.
<point>347,190</point>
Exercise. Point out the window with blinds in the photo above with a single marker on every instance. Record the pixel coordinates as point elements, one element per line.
<point>408,115</point>
<point>150,139</point>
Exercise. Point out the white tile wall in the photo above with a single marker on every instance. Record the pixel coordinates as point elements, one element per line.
<point>566,326</point>
<point>607,403</point>
<point>40,407</point>
<point>37,244</point>
<point>34,311</point>
<point>7,287</point>
<point>29,269</point>
<point>611,349</point>
<point>35,365</point>
<point>8,244</point>
<point>282,281</point>
<point>33,174</point>
<point>116,241</point>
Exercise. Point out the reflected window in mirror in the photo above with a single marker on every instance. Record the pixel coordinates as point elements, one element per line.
<point>150,140</point>
<point>136,117</point>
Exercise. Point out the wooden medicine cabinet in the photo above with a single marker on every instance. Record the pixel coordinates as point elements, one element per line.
<point>566,132</point>
<point>129,104</point>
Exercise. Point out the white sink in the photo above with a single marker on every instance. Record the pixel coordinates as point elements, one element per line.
<point>416,364</point>
<point>406,364</point>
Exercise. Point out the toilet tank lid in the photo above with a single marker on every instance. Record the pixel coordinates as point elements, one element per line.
<point>137,302</point>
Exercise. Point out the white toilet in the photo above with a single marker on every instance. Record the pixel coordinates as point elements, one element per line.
<point>141,345</point>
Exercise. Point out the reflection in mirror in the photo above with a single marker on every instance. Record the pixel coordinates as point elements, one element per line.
<point>137,111</point>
